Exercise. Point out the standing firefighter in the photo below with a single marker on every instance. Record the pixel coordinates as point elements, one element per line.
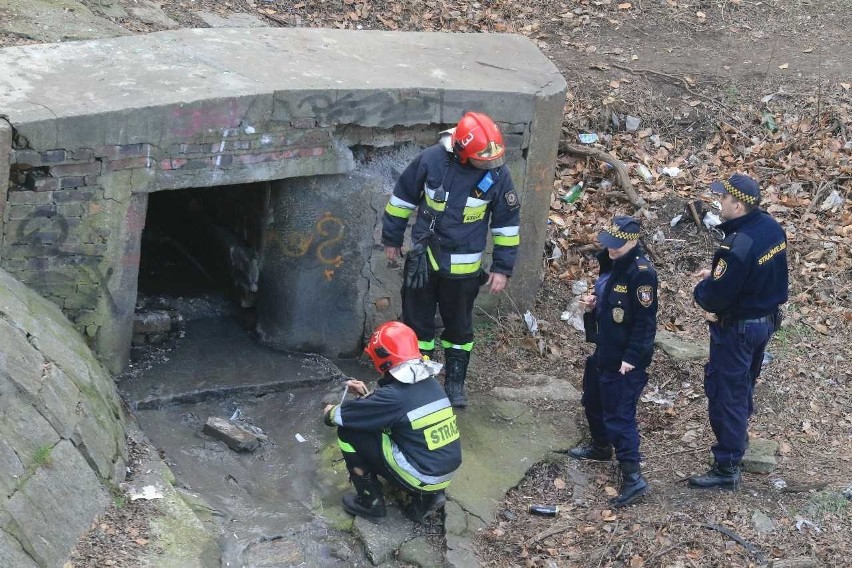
<point>404,431</point>
<point>744,287</point>
<point>460,188</point>
<point>621,319</point>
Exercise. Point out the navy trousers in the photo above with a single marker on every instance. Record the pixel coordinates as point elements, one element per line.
<point>609,399</point>
<point>736,354</point>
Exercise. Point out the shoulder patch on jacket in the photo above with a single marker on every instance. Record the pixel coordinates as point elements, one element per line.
<point>719,269</point>
<point>645,295</point>
<point>512,199</point>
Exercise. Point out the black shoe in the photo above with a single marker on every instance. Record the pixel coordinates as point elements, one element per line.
<point>353,505</point>
<point>633,486</point>
<point>590,452</point>
<point>456,371</point>
<point>422,506</point>
<point>726,477</point>
<point>368,500</point>
<point>455,392</point>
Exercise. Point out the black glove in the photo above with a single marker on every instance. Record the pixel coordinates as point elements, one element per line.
<point>416,271</point>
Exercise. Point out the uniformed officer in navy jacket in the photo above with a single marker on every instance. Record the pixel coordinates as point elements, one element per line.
<point>621,319</point>
<point>743,289</point>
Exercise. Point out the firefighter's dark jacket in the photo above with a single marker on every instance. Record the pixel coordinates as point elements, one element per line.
<point>624,321</point>
<point>418,419</point>
<point>748,278</point>
<point>476,201</point>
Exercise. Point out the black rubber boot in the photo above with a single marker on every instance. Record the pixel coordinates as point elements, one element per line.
<point>595,451</point>
<point>423,505</point>
<point>726,477</point>
<point>456,372</point>
<point>633,485</point>
<point>368,500</point>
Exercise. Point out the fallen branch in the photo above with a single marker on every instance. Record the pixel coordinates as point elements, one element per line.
<point>753,550</point>
<point>548,533</point>
<point>623,176</point>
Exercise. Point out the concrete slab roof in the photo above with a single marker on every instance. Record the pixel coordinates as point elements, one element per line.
<point>52,81</point>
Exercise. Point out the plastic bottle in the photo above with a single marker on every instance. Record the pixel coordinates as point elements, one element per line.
<point>573,193</point>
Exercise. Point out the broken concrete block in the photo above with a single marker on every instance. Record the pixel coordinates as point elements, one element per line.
<point>238,439</point>
<point>681,349</point>
<point>760,456</point>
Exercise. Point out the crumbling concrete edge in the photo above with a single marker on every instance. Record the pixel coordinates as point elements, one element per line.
<point>5,169</point>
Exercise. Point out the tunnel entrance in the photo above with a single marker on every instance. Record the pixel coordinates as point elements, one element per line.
<point>199,258</point>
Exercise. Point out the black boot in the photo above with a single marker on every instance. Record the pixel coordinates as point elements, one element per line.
<point>423,505</point>
<point>456,371</point>
<point>368,500</point>
<point>633,485</point>
<point>595,451</point>
<point>725,476</point>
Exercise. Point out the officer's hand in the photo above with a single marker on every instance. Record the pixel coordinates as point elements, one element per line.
<point>702,274</point>
<point>625,368</point>
<point>497,282</point>
<point>588,302</point>
<point>392,252</point>
<point>356,387</point>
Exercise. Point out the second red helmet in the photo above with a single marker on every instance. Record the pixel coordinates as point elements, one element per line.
<point>478,141</point>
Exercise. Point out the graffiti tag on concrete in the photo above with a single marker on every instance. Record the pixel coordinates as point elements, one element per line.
<point>382,108</point>
<point>327,234</point>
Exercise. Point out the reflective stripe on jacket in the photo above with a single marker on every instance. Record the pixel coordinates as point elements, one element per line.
<point>420,440</point>
<point>465,213</point>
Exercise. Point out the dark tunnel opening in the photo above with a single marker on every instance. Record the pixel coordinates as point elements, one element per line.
<point>199,257</point>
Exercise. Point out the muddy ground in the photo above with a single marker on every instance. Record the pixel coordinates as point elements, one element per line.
<point>718,85</point>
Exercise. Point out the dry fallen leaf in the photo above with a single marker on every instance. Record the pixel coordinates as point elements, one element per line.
<point>610,491</point>
<point>783,66</point>
<point>846,86</point>
<point>559,483</point>
<point>608,515</point>
<point>701,15</point>
<point>625,6</point>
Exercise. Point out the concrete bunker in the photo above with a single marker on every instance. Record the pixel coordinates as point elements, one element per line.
<point>101,138</point>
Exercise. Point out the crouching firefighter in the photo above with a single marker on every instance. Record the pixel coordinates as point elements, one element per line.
<point>404,431</point>
<point>459,188</point>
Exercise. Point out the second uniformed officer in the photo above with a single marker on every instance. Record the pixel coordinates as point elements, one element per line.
<point>743,288</point>
<point>621,319</point>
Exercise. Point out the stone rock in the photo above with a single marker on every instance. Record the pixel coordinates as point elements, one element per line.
<point>152,322</point>
<point>579,287</point>
<point>681,349</point>
<point>11,553</point>
<point>275,551</point>
<point>455,519</point>
<point>762,523</point>
<point>460,553</point>
<point>760,456</point>
<point>52,21</point>
<point>238,20</point>
<point>418,552</point>
<point>540,387</point>
<point>60,500</point>
<point>238,439</point>
<point>152,14</point>
<point>382,538</point>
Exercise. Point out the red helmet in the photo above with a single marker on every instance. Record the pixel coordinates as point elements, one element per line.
<point>477,140</point>
<point>391,344</point>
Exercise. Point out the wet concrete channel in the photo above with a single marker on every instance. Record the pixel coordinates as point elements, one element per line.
<point>268,502</point>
